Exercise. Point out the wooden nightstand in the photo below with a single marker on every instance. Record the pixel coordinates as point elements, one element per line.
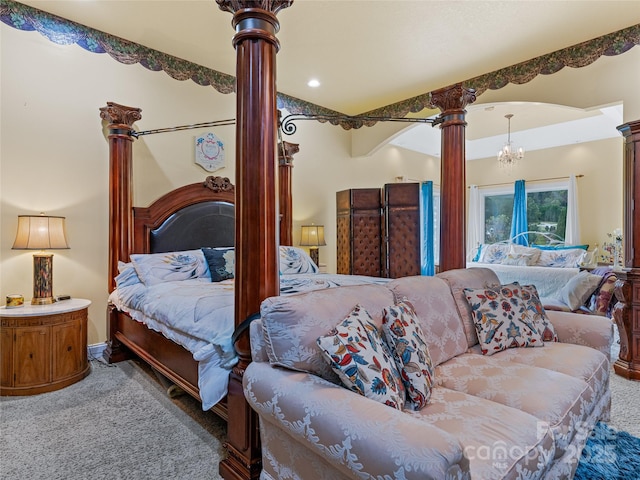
<point>43,347</point>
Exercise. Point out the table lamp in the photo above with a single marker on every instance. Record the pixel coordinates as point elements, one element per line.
<point>313,236</point>
<point>41,232</point>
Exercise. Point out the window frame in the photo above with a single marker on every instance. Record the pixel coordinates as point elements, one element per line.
<point>533,187</point>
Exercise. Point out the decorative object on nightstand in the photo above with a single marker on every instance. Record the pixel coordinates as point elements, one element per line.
<point>43,347</point>
<point>312,236</point>
<point>41,232</point>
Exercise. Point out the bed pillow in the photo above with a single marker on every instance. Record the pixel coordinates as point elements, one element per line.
<point>494,253</point>
<point>578,289</point>
<point>561,247</point>
<point>221,262</point>
<point>127,275</point>
<point>566,258</point>
<point>357,354</point>
<point>155,268</point>
<point>409,349</point>
<point>502,319</point>
<point>296,260</point>
<point>534,305</point>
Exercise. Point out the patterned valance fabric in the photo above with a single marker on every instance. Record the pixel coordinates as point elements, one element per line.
<point>65,32</point>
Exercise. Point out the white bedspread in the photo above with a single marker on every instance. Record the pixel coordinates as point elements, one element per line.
<point>548,280</point>
<point>198,314</point>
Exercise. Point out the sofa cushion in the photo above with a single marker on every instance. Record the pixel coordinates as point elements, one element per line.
<point>498,441</point>
<point>292,323</point>
<point>534,305</point>
<point>460,279</point>
<point>357,354</point>
<point>576,361</point>
<point>409,348</point>
<point>502,318</point>
<point>436,313</point>
<point>560,400</point>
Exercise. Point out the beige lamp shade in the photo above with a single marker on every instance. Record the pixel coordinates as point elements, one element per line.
<point>40,232</point>
<point>312,236</point>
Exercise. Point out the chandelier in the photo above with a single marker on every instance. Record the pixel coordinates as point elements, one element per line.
<point>509,155</point>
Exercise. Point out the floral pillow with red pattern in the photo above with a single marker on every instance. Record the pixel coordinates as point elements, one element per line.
<point>534,305</point>
<point>502,319</point>
<point>407,343</point>
<point>356,352</point>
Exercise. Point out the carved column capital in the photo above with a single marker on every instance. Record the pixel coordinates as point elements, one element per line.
<point>255,19</point>
<point>273,6</point>
<point>455,97</point>
<point>286,151</point>
<point>115,113</point>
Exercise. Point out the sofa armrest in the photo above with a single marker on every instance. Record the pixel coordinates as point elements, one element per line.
<point>593,331</point>
<point>359,436</point>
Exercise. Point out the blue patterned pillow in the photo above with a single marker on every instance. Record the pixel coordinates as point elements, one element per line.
<point>356,352</point>
<point>222,261</point>
<point>296,260</point>
<point>406,340</point>
<point>155,268</point>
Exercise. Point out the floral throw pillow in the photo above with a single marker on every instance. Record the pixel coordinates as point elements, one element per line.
<point>356,352</point>
<point>155,268</point>
<point>222,262</point>
<point>534,305</point>
<point>502,319</point>
<point>406,340</point>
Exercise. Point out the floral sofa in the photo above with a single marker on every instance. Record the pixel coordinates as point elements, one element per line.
<point>516,413</point>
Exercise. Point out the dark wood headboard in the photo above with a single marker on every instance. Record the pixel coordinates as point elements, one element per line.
<point>187,218</point>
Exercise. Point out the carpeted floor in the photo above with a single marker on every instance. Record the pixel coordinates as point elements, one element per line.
<point>89,430</point>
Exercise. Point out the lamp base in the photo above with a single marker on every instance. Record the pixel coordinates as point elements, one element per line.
<point>42,300</point>
<point>42,279</point>
<point>314,253</point>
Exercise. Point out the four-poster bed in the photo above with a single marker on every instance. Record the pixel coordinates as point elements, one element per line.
<point>256,218</point>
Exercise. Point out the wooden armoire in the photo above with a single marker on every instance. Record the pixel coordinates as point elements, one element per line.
<point>378,231</point>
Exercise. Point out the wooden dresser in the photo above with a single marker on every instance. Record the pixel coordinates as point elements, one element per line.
<point>43,347</point>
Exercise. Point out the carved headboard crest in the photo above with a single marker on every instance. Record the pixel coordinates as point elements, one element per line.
<point>219,184</point>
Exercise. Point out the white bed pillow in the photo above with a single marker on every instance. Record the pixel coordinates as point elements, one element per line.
<point>578,289</point>
<point>570,257</point>
<point>295,260</point>
<point>155,268</point>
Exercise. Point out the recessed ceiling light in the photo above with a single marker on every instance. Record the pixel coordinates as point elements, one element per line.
<point>313,83</point>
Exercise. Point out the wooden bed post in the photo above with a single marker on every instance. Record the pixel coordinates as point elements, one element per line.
<point>120,122</point>
<point>256,264</point>
<point>452,102</point>
<point>286,151</point>
<point>627,311</point>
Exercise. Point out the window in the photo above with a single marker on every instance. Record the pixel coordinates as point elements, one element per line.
<point>546,211</point>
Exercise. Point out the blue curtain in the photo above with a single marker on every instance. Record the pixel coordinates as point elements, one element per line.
<point>427,262</point>
<point>519,218</point>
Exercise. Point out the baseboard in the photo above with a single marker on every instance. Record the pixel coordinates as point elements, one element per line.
<point>96,350</point>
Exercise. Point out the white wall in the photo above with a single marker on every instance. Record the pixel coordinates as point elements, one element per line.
<point>54,154</point>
